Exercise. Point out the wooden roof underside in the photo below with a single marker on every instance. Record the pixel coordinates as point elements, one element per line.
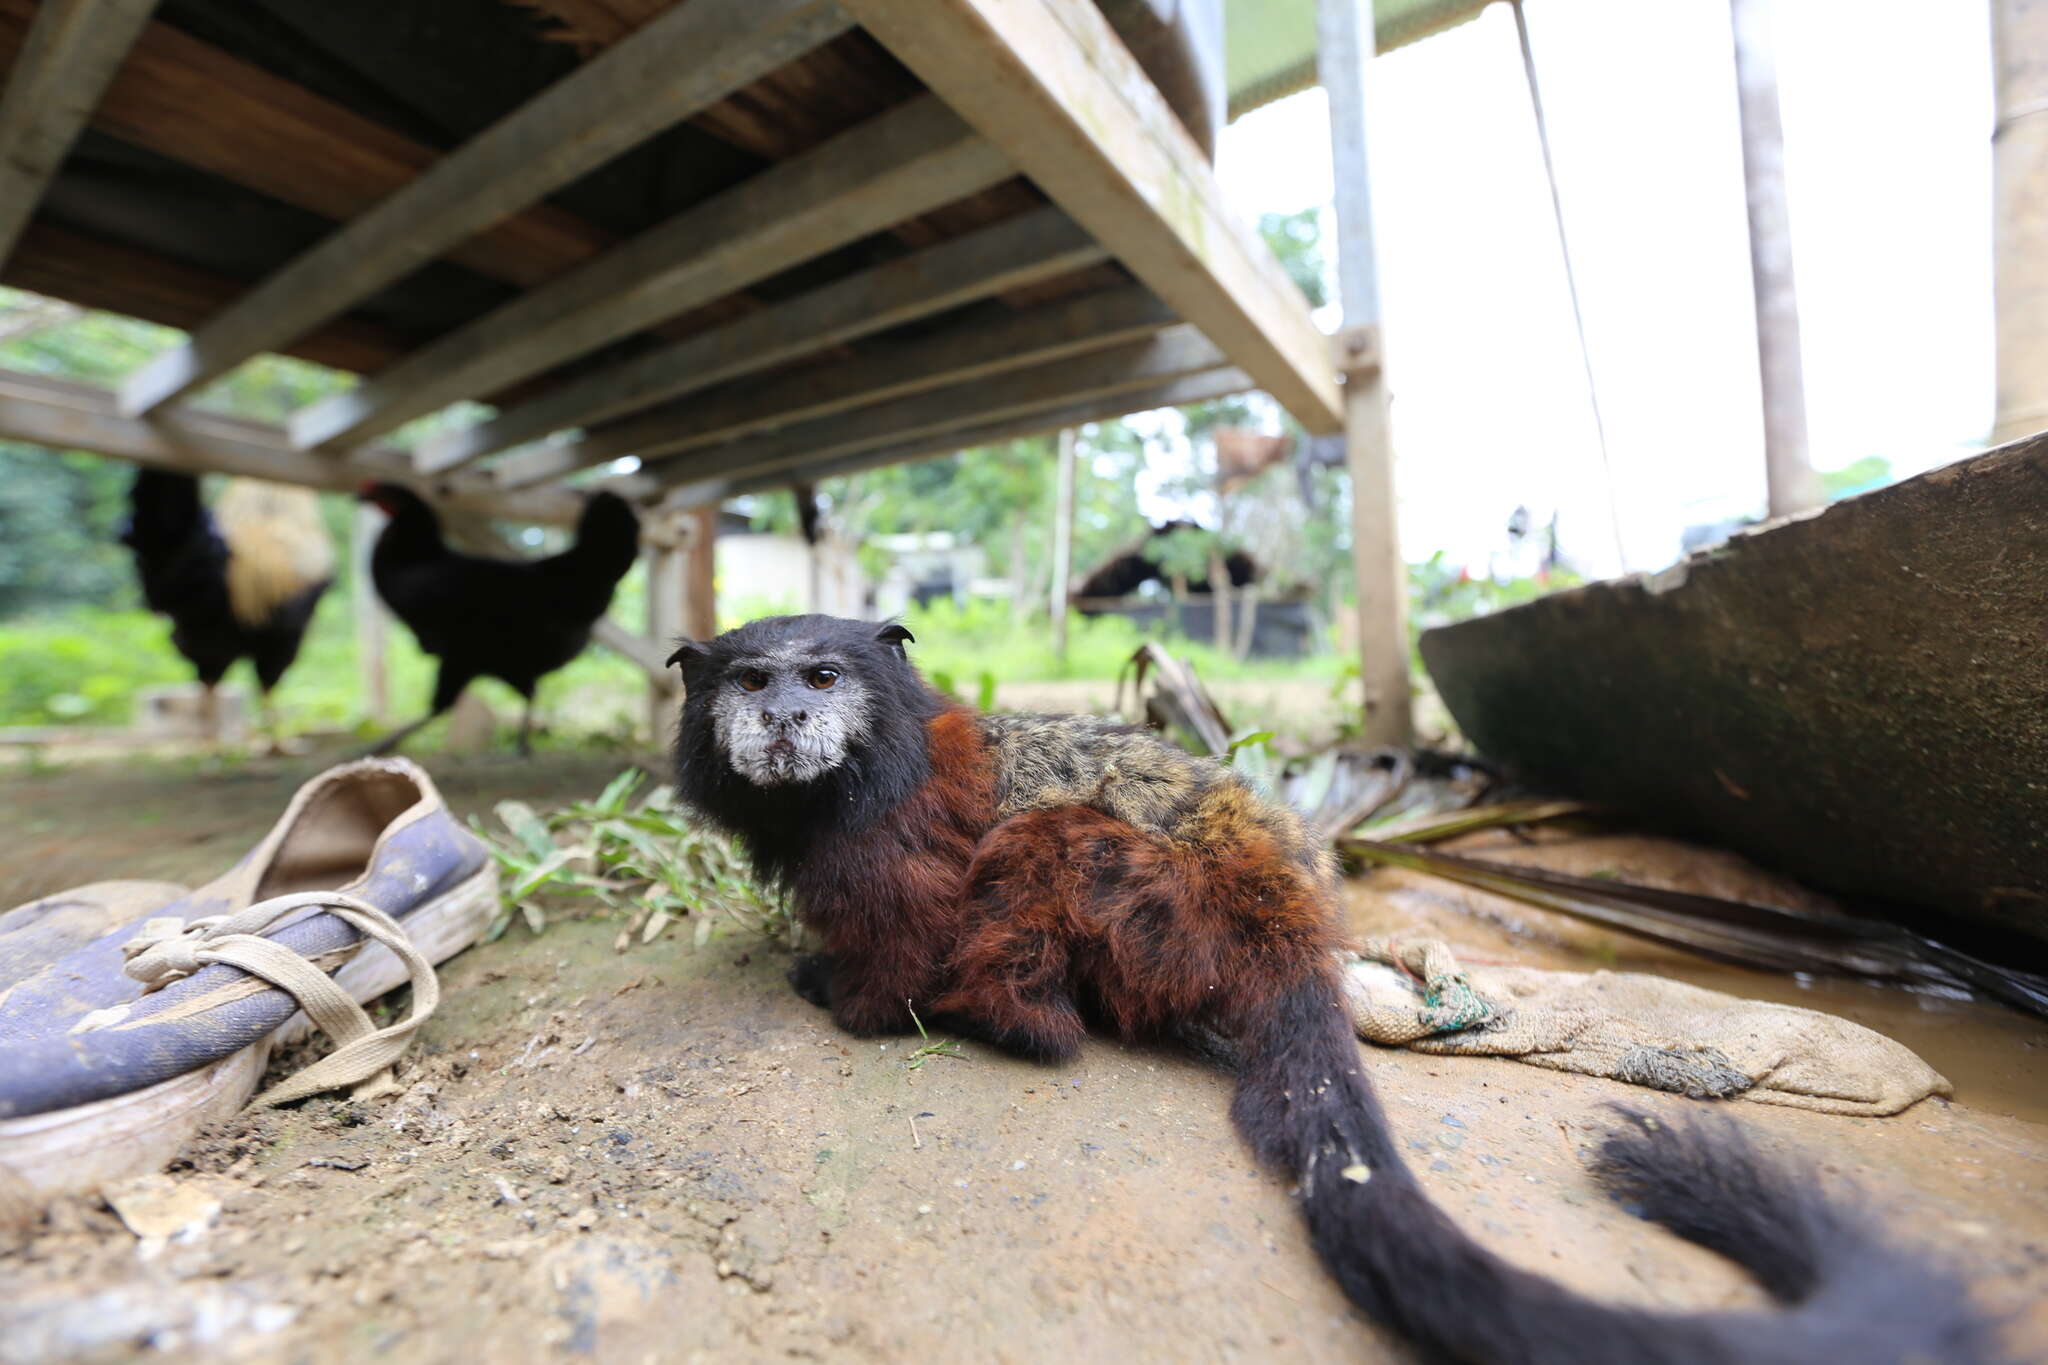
<point>750,242</point>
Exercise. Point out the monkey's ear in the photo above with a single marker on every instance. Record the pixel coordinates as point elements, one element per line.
<point>893,636</point>
<point>688,653</point>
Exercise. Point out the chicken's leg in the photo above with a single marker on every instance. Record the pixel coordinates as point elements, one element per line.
<point>448,685</point>
<point>209,712</point>
<point>526,729</point>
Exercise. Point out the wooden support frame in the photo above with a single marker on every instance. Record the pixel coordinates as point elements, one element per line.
<point>1049,82</point>
<point>916,157</point>
<point>1345,38</point>
<point>979,347</point>
<point>1022,251</point>
<point>1133,366</point>
<point>67,416</point>
<point>194,103</point>
<point>73,49</point>
<point>683,61</point>
<point>1193,388</point>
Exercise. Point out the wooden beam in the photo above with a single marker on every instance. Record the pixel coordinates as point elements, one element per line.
<point>116,278</point>
<point>1050,83</point>
<point>1118,370</point>
<point>910,159</point>
<point>977,347</point>
<point>66,416</point>
<point>677,65</point>
<point>73,49</point>
<point>1024,250</point>
<point>197,105</point>
<point>1344,32</point>
<point>1194,388</point>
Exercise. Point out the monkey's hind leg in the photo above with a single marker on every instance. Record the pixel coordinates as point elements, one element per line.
<point>1011,982</point>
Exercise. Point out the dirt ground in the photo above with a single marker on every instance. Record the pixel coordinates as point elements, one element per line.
<point>662,1154</point>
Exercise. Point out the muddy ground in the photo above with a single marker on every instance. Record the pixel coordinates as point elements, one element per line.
<point>662,1154</point>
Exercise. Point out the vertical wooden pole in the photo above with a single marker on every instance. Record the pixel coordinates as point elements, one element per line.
<point>1062,543</point>
<point>1345,51</point>
<point>700,572</point>
<point>1788,472</point>
<point>664,562</point>
<point>371,621</point>
<point>2019,228</point>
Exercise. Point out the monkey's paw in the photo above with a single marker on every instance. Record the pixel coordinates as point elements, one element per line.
<point>811,977</point>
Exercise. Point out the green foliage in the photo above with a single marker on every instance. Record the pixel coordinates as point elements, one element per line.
<point>59,519</point>
<point>83,667</point>
<point>649,861</point>
<point>1872,471</point>
<point>980,640</point>
<point>1297,240</point>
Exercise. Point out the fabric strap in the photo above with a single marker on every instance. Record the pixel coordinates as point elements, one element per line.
<point>168,949</point>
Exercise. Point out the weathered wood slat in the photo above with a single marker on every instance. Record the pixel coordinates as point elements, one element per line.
<point>1048,81</point>
<point>190,101</point>
<point>67,416</point>
<point>987,343</point>
<point>1194,388</point>
<point>1120,369</point>
<point>674,67</point>
<point>95,273</point>
<point>1022,251</point>
<point>904,162</point>
<point>72,52</point>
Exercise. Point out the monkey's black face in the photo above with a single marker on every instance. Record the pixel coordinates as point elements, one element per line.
<point>790,700</point>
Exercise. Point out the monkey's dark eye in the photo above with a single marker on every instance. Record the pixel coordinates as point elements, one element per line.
<point>753,680</point>
<point>822,678</point>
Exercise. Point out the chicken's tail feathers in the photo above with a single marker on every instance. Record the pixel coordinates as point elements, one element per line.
<point>278,546</point>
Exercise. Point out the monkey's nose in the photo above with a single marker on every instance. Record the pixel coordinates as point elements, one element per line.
<point>777,719</point>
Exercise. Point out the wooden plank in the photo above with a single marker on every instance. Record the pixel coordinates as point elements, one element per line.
<point>907,160</point>
<point>1194,388</point>
<point>1023,250</point>
<point>674,67</point>
<point>978,346</point>
<point>1049,82</point>
<point>192,102</point>
<point>96,273</point>
<point>73,50</point>
<point>1121,369</point>
<point>1345,47</point>
<point>67,416</point>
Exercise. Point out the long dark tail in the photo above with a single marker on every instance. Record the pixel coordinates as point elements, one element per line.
<point>1305,1106</point>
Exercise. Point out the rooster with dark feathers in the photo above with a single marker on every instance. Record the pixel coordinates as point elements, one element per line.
<point>239,581</point>
<point>514,620</point>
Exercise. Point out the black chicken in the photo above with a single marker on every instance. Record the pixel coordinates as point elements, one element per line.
<point>239,581</point>
<point>515,620</point>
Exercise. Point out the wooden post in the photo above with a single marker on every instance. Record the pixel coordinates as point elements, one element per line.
<point>1062,543</point>
<point>2019,171</point>
<point>664,625</point>
<point>700,572</point>
<point>371,621</point>
<point>1345,50</point>
<point>1788,473</point>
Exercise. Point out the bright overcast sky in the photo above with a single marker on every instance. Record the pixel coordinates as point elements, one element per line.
<point>1887,111</point>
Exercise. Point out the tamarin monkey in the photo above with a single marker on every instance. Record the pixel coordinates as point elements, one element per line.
<point>1018,877</point>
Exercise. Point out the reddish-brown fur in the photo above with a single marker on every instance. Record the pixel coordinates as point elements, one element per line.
<point>1008,929</point>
